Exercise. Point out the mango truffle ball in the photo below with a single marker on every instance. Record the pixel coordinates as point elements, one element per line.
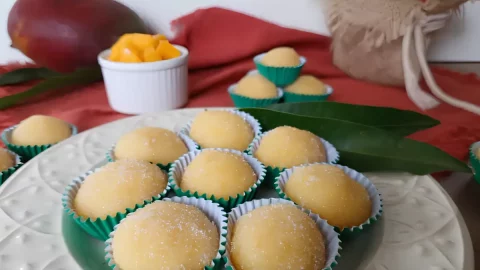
<point>281,57</point>
<point>256,86</point>
<point>40,130</point>
<point>275,237</point>
<point>165,235</point>
<point>221,129</point>
<point>329,192</point>
<point>117,186</point>
<point>307,85</point>
<point>286,146</point>
<point>152,144</point>
<point>7,160</point>
<point>218,173</point>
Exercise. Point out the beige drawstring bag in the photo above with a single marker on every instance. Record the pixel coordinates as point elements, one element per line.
<point>385,41</point>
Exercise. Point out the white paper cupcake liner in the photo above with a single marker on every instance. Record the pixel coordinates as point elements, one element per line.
<point>332,154</point>
<point>257,128</point>
<point>189,143</point>
<point>212,210</point>
<point>375,197</point>
<point>99,228</point>
<point>177,169</point>
<point>332,241</point>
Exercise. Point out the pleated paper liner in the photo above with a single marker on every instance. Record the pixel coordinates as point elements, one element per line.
<point>280,76</point>
<point>332,242</point>
<point>27,152</point>
<point>98,228</point>
<point>213,211</point>
<point>176,173</point>
<point>257,128</point>
<point>272,172</point>
<point>377,207</point>
<point>474,161</point>
<point>8,172</point>
<point>293,97</point>
<point>189,143</point>
<point>245,102</point>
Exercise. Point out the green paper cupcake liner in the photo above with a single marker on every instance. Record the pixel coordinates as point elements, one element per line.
<point>474,161</point>
<point>8,172</point>
<point>98,228</point>
<point>176,173</point>
<point>245,102</point>
<point>272,172</point>
<point>257,128</point>
<point>191,145</point>
<point>332,241</point>
<point>28,151</point>
<point>375,197</point>
<point>280,76</point>
<point>293,97</point>
<point>213,211</point>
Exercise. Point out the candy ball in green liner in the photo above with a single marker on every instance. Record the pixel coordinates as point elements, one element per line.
<point>281,57</point>
<point>277,236</point>
<point>255,86</point>
<point>307,85</point>
<point>152,144</point>
<point>117,186</point>
<point>40,130</point>
<point>7,160</point>
<point>165,234</point>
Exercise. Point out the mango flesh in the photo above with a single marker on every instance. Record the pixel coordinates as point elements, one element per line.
<point>69,34</point>
<point>138,48</point>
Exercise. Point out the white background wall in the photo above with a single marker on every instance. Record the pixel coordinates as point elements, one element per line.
<point>460,42</point>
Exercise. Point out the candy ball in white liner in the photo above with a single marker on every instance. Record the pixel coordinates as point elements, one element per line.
<point>329,192</point>
<point>277,236</point>
<point>221,129</point>
<point>40,130</point>
<point>117,186</point>
<point>286,146</point>
<point>152,144</point>
<point>167,234</point>
<point>219,173</point>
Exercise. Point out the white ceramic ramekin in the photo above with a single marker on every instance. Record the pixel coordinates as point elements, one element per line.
<point>136,88</point>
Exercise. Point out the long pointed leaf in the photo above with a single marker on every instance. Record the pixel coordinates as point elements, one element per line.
<point>401,122</point>
<point>79,77</point>
<point>22,75</point>
<point>366,148</point>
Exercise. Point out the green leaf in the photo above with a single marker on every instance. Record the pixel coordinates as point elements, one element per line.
<point>79,77</point>
<point>401,122</point>
<point>366,148</point>
<point>24,75</point>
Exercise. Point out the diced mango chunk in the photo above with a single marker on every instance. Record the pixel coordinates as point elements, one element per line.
<point>167,50</point>
<point>143,41</point>
<point>150,55</point>
<point>130,55</point>
<point>138,48</point>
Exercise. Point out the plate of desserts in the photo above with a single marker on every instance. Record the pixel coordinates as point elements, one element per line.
<point>211,189</point>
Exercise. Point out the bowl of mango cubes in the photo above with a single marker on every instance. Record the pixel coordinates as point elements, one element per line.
<point>144,74</point>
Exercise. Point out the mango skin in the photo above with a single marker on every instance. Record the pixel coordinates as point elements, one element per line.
<point>64,35</point>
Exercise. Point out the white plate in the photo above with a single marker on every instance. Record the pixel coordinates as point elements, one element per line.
<point>421,228</point>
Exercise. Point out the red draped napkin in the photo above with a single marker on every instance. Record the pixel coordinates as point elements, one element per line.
<point>222,44</point>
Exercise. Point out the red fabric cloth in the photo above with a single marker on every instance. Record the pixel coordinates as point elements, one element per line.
<point>222,44</point>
